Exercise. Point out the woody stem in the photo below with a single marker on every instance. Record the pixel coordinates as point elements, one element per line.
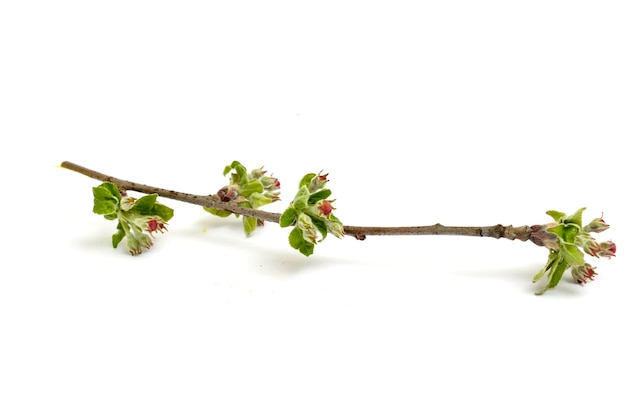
<point>498,231</point>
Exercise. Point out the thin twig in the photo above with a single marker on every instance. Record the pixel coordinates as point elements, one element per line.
<point>498,231</point>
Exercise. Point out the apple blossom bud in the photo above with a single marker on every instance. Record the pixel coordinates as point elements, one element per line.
<point>583,273</point>
<point>596,226</point>
<point>608,249</point>
<point>325,207</point>
<point>589,245</point>
<point>318,182</point>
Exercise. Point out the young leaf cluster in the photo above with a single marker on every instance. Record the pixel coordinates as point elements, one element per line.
<point>251,189</point>
<point>567,239</point>
<point>311,215</point>
<point>137,219</point>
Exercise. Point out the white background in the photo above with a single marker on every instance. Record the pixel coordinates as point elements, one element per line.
<point>464,113</point>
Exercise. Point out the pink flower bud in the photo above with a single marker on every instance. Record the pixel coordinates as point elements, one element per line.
<point>583,273</point>
<point>325,207</point>
<point>270,183</point>
<point>596,226</point>
<point>135,243</point>
<point>318,182</point>
<point>607,249</point>
<point>257,173</point>
<point>591,246</point>
<point>155,225</point>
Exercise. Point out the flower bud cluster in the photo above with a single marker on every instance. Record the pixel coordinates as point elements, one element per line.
<point>251,189</point>
<point>138,219</point>
<point>568,241</point>
<point>311,214</point>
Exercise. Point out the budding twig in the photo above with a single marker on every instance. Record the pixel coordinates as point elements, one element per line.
<point>498,231</point>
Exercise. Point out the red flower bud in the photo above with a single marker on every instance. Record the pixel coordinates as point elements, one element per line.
<point>607,249</point>
<point>325,207</point>
<point>154,225</point>
<point>583,273</point>
<point>591,246</point>
<point>596,226</point>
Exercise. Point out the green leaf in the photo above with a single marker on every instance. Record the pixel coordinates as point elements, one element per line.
<point>227,169</point>
<point>319,196</point>
<point>555,275</point>
<point>104,207</point>
<point>119,236</point>
<point>576,218</point>
<point>570,232</point>
<point>306,180</point>
<point>295,238</point>
<point>216,212</point>
<point>249,225</point>
<point>551,259</point>
<point>250,187</point>
<point>164,212</point>
<point>148,206</point>
<point>107,190</point>
<point>258,200</point>
<point>297,241</point>
<point>242,172</point>
<point>307,248</point>
<point>558,230</point>
<point>556,215</point>
<point>106,198</point>
<point>571,254</point>
<point>320,225</point>
<point>144,205</point>
<point>334,218</point>
<point>288,218</point>
<point>566,232</point>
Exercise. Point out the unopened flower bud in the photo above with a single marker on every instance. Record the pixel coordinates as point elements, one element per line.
<point>273,196</point>
<point>583,273</point>
<point>135,242</point>
<point>325,207</point>
<point>607,249</point>
<point>155,225</point>
<point>270,183</point>
<point>258,199</point>
<point>127,203</point>
<point>589,245</point>
<point>134,247</point>
<point>317,183</point>
<point>309,232</point>
<point>257,173</point>
<point>335,228</point>
<point>596,226</point>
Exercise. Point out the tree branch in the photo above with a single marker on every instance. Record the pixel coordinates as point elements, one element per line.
<point>498,231</point>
